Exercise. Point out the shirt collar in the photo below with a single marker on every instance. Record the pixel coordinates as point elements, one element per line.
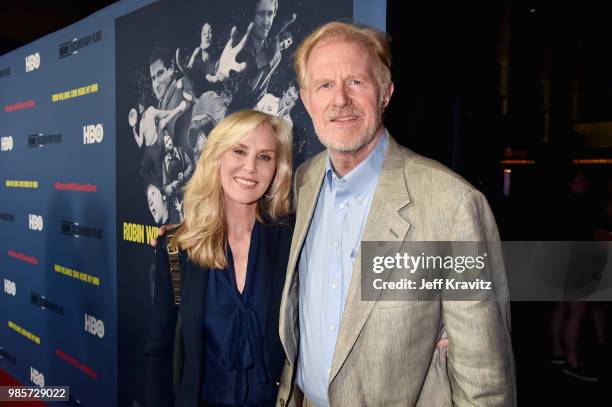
<point>361,179</point>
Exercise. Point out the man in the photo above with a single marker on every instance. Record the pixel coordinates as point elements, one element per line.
<point>162,214</point>
<point>280,107</point>
<point>169,93</point>
<point>176,170</point>
<point>258,54</point>
<point>342,351</point>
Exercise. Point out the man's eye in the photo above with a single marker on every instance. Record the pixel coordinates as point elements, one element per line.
<point>325,85</point>
<point>356,82</point>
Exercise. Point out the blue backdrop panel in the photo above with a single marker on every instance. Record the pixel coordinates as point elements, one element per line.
<point>58,307</point>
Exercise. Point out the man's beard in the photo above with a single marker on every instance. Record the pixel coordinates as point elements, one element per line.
<point>362,135</point>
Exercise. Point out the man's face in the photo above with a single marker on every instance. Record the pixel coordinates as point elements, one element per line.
<point>343,96</point>
<point>168,143</point>
<point>206,36</point>
<point>264,16</point>
<point>157,206</point>
<point>161,76</point>
<point>290,96</point>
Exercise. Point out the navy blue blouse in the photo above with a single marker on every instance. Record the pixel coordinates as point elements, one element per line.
<point>235,372</point>
<point>232,350</point>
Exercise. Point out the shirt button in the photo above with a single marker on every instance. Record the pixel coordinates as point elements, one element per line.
<point>332,328</point>
<point>334,286</point>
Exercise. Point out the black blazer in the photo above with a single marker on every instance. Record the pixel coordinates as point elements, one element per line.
<point>272,257</point>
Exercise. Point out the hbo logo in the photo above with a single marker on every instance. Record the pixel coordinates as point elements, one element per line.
<point>35,222</point>
<point>36,377</point>
<point>10,287</point>
<point>94,326</point>
<point>93,133</point>
<point>32,62</point>
<point>6,143</point>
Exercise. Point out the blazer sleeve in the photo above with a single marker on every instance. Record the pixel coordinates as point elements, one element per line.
<point>480,359</point>
<point>296,186</point>
<point>160,344</point>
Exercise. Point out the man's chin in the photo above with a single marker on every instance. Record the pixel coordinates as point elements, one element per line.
<point>262,34</point>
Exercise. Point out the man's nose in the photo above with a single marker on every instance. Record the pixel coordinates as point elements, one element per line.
<point>341,97</point>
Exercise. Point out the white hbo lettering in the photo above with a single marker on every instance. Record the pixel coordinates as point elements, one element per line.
<point>32,62</point>
<point>6,143</point>
<point>10,287</point>
<point>94,326</point>
<point>36,377</point>
<point>93,133</point>
<point>35,222</point>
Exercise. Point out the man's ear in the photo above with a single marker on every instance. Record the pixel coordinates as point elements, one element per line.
<point>305,100</point>
<point>387,95</point>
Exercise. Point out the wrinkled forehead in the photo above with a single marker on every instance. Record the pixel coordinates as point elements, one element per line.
<point>337,54</point>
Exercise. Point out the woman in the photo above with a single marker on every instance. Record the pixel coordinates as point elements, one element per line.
<point>234,245</point>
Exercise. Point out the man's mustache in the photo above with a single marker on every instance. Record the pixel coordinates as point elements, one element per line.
<point>344,112</point>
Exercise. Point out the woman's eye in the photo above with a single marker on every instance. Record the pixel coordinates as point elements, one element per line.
<point>265,157</point>
<point>239,151</point>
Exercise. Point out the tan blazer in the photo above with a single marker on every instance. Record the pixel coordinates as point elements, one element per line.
<point>386,352</point>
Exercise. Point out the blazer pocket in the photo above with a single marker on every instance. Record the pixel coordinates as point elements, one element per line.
<point>396,304</point>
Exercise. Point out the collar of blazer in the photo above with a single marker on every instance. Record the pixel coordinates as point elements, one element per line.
<point>386,222</point>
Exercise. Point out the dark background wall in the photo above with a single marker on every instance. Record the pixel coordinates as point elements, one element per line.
<point>481,83</point>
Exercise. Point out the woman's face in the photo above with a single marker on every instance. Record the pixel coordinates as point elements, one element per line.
<point>206,36</point>
<point>247,169</point>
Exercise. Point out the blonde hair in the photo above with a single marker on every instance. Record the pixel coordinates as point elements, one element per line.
<point>203,232</point>
<point>376,42</point>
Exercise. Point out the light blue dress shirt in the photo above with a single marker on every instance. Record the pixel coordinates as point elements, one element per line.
<point>326,265</point>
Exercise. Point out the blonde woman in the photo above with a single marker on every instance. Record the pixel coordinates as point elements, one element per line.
<point>234,243</point>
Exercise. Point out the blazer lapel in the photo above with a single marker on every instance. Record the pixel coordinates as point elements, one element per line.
<point>308,194</point>
<point>385,223</point>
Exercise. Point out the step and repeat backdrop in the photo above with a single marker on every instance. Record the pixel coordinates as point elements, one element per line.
<point>101,124</point>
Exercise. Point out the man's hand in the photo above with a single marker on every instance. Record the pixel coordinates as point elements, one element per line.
<point>193,57</point>
<point>160,232</point>
<point>178,205</point>
<point>227,62</point>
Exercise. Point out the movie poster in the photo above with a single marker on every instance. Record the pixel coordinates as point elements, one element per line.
<point>182,66</point>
